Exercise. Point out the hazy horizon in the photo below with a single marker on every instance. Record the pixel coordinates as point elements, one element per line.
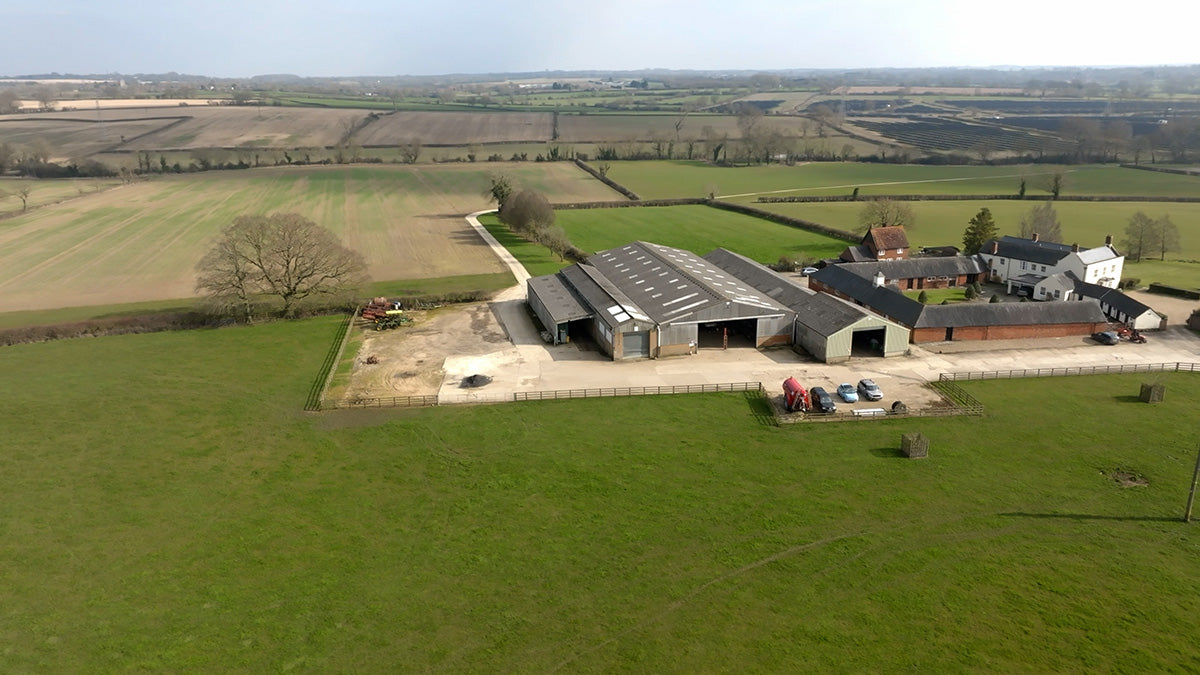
<point>221,38</point>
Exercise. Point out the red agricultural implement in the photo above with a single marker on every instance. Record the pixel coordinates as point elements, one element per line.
<point>795,396</point>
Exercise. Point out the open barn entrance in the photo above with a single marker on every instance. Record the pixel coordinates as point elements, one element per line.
<point>868,342</point>
<point>734,334</point>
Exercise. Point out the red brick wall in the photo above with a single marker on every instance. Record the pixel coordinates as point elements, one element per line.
<point>920,335</point>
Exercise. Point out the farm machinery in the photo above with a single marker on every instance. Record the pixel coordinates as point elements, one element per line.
<point>1131,334</point>
<point>795,396</point>
<point>384,314</point>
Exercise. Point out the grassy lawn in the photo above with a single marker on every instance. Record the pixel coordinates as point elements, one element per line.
<point>167,507</point>
<point>653,180</point>
<point>935,296</point>
<point>537,259</point>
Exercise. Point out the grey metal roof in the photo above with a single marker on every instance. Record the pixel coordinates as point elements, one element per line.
<point>562,303</point>
<point>1010,314</point>
<point>914,268</point>
<point>885,300</point>
<point>673,285</point>
<point>890,302</point>
<point>612,306</point>
<point>1041,252</point>
<point>821,312</point>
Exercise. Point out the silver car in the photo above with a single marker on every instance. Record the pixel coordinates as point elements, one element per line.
<point>869,390</point>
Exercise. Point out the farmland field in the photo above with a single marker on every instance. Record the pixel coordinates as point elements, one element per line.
<point>140,242</point>
<point>699,229</point>
<point>168,509</point>
<point>457,128</point>
<point>661,180</point>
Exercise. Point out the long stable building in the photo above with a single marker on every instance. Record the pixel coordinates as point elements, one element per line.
<point>645,300</point>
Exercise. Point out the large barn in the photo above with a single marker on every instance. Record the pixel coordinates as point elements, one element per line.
<point>645,300</point>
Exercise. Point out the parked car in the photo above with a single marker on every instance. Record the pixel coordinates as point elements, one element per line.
<point>1108,337</point>
<point>847,392</point>
<point>869,390</point>
<point>821,400</point>
<point>807,271</point>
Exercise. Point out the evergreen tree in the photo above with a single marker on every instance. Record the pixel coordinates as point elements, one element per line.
<point>979,229</point>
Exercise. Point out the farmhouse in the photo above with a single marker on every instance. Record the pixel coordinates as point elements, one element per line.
<point>879,243</point>
<point>1023,263</point>
<point>964,321</point>
<point>645,300</point>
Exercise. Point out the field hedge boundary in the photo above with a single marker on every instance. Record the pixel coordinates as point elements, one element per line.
<point>958,198</point>
<point>1160,169</point>
<point>606,180</point>
<point>158,322</point>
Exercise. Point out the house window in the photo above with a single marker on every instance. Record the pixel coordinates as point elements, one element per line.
<point>1043,268</point>
<point>1002,261</point>
<point>1023,265</point>
<point>1057,294</point>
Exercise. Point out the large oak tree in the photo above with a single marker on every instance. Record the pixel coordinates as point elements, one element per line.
<point>283,255</point>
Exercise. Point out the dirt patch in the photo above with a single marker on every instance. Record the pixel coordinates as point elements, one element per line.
<point>1127,478</point>
<point>410,358</point>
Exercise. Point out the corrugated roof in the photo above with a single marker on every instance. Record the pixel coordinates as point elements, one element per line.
<point>558,298</point>
<point>822,313</point>
<point>915,268</point>
<point>1011,314</point>
<point>670,284</point>
<point>1041,252</point>
<point>885,300</point>
<point>612,306</point>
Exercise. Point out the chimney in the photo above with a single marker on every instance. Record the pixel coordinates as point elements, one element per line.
<point>1036,236</point>
<point>1108,240</point>
<point>1074,248</point>
<point>995,248</point>
<point>879,279</point>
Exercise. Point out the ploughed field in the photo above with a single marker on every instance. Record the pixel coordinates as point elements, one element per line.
<point>141,241</point>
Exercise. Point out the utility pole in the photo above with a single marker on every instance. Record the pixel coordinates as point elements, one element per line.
<point>1187,517</point>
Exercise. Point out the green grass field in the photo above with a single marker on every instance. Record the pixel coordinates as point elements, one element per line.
<point>662,180</point>
<point>699,229</point>
<point>1087,223</point>
<point>167,507</point>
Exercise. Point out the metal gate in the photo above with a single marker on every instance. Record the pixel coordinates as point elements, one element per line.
<point>635,344</point>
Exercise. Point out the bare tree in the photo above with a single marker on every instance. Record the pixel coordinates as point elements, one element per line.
<point>1043,221</point>
<point>885,213</point>
<point>8,101</point>
<point>285,256</point>
<point>1167,233</point>
<point>1140,236</point>
<point>410,151</point>
<point>23,193</point>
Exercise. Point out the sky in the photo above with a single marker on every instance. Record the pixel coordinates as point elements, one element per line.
<point>241,38</point>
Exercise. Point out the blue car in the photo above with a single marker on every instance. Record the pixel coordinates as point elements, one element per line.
<point>847,392</point>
